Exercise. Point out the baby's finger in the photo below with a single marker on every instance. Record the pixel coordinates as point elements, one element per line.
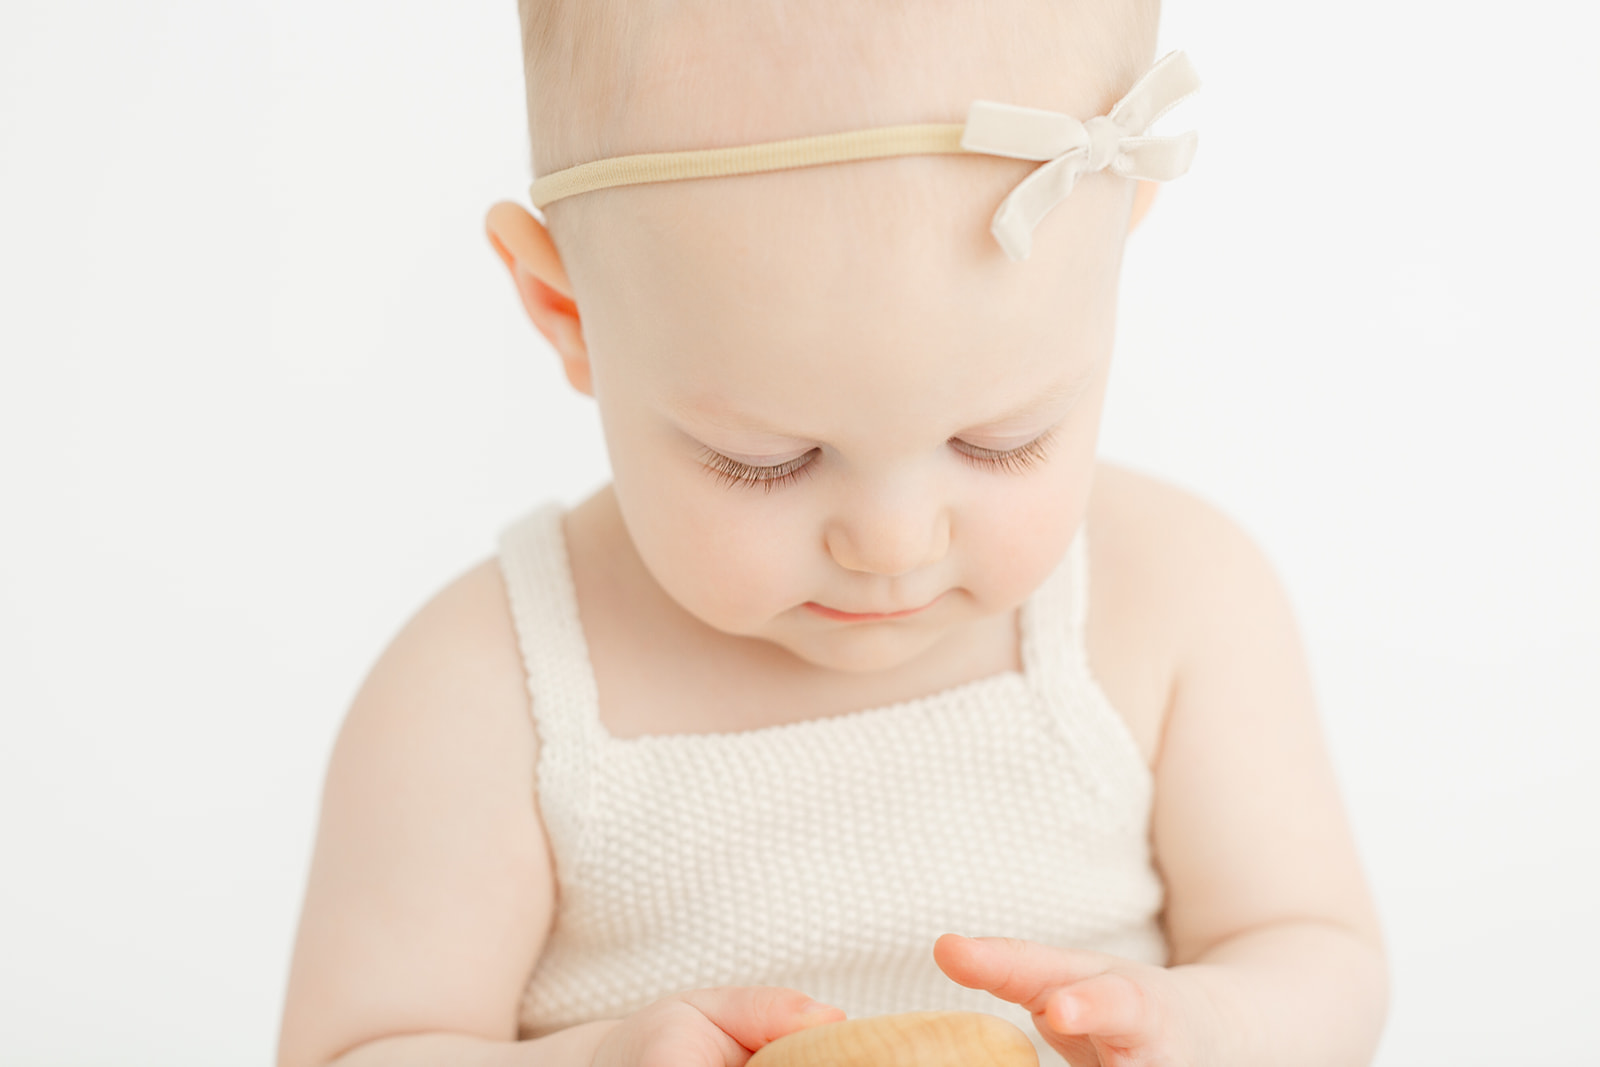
<point>1107,1005</point>
<point>1023,972</point>
<point>757,1015</point>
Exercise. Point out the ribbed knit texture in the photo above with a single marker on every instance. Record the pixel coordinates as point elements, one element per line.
<point>828,855</point>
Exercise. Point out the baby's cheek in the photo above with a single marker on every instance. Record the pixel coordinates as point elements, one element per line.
<point>733,590</point>
<point>1011,557</point>
<point>741,571</point>
<point>688,540</point>
<point>1006,577</point>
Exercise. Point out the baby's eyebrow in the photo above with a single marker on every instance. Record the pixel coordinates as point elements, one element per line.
<point>1064,389</point>
<point>713,410</point>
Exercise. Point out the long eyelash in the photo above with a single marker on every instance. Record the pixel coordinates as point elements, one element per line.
<point>1014,460</point>
<point>730,472</point>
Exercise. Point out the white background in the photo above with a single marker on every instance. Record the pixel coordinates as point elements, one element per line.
<point>264,388</point>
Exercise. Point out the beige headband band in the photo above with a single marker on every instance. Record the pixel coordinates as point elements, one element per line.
<point>1117,140</point>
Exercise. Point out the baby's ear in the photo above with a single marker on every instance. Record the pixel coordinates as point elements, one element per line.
<point>524,245</point>
<point>1143,193</point>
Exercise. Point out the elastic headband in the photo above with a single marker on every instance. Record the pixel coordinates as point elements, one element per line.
<point>1117,140</point>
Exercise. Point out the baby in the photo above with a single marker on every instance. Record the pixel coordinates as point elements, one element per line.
<point>864,687</point>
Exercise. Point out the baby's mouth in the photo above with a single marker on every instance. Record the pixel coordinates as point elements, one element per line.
<point>865,616</point>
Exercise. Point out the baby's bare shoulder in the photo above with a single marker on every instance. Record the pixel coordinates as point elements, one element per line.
<point>1161,524</point>
<point>1173,559</point>
<point>1154,550</point>
<point>431,888</point>
<point>1191,568</point>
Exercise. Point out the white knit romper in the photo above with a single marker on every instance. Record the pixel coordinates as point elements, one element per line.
<point>828,855</point>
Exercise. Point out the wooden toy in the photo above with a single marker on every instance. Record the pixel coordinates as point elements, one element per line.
<point>913,1039</point>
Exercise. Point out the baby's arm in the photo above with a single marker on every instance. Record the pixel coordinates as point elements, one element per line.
<point>1267,905</point>
<point>430,889</point>
<point>1276,957</point>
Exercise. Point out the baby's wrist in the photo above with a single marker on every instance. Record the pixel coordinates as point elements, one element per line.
<point>1220,1023</point>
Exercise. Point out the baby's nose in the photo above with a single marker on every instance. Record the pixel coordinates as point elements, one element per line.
<point>890,539</point>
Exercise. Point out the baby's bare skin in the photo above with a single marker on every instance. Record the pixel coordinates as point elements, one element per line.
<point>859,321</point>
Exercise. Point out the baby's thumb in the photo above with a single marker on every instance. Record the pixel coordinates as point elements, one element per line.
<point>757,1015</point>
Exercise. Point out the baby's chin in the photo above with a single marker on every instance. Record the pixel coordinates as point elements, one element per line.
<point>859,648</point>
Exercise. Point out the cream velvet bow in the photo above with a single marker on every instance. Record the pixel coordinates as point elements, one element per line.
<point>1116,140</point>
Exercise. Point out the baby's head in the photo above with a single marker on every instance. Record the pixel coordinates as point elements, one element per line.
<point>828,385</point>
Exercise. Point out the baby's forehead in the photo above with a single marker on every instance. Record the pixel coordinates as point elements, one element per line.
<point>747,298</point>
<point>881,252</point>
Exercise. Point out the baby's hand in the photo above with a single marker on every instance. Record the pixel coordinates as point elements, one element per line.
<point>1094,1009</point>
<point>719,1027</point>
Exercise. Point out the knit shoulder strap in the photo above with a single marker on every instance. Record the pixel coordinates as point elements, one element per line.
<point>1056,648</point>
<point>561,685</point>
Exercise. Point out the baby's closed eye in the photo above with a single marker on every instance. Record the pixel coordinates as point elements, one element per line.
<point>736,473</point>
